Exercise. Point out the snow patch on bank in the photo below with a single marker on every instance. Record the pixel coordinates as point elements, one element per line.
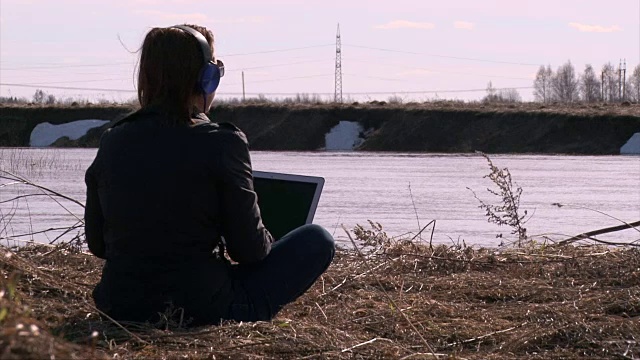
<point>45,134</point>
<point>632,147</point>
<point>344,136</point>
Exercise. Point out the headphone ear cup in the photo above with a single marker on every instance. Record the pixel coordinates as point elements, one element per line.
<point>210,78</point>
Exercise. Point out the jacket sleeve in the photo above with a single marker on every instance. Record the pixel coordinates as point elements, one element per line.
<point>93,217</point>
<point>246,238</point>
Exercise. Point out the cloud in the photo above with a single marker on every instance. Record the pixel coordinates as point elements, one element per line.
<point>404,24</point>
<point>594,28</point>
<point>196,18</point>
<point>464,25</point>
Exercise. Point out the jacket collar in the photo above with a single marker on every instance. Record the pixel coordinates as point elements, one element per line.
<point>157,111</point>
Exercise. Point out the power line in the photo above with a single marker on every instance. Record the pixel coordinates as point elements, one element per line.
<point>283,79</point>
<point>33,85</point>
<point>65,75</point>
<point>376,77</point>
<point>436,91</point>
<point>441,56</point>
<point>229,70</point>
<point>304,62</point>
<point>278,65</point>
<point>380,92</point>
<point>440,71</point>
<point>64,87</point>
<point>77,81</point>
<point>276,50</point>
<point>65,66</point>
<point>283,93</point>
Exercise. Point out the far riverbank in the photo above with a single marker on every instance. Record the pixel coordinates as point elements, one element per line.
<point>443,127</point>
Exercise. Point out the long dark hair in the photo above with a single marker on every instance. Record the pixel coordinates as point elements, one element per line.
<point>170,62</point>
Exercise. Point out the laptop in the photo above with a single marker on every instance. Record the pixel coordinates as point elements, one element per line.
<point>286,201</point>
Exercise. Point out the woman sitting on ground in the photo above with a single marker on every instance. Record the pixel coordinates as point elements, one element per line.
<point>169,190</point>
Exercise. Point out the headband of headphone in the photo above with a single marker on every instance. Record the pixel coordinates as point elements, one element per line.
<point>209,77</point>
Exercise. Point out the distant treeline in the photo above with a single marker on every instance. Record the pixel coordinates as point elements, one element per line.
<point>566,86</point>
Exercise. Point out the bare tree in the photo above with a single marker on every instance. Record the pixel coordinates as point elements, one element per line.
<point>565,84</point>
<point>509,96</point>
<point>39,96</point>
<point>633,87</point>
<point>589,85</point>
<point>491,94</point>
<point>630,91</point>
<point>501,95</point>
<point>542,84</point>
<point>610,83</point>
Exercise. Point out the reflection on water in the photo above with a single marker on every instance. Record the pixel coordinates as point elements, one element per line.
<point>403,192</point>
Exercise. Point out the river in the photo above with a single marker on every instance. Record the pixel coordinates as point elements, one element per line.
<point>563,195</point>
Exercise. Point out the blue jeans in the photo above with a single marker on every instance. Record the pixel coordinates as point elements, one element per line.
<point>293,265</point>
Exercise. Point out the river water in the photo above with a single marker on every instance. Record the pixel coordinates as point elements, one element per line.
<point>402,192</point>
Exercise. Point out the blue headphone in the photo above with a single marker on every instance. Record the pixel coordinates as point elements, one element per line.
<point>210,74</point>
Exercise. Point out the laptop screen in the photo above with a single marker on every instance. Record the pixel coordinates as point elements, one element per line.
<point>286,201</point>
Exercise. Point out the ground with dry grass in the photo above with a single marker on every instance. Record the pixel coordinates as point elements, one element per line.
<point>394,299</point>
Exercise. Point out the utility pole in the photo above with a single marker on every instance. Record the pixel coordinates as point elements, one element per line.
<point>620,80</point>
<point>243,94</point>
<point>602,86</point>
<point>338,81</point>
<point>624,80</point>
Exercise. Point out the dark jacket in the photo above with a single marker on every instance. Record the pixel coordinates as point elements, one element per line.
<point>159,199</point>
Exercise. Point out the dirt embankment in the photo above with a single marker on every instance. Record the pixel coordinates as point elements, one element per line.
<point>432,127</point>
<point>17,122</point>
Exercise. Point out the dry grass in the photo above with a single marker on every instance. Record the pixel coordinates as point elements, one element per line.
<point>578,109</point>
<point>536,302</point>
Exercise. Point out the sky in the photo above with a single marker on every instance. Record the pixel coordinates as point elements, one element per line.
<point>417,50</point>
